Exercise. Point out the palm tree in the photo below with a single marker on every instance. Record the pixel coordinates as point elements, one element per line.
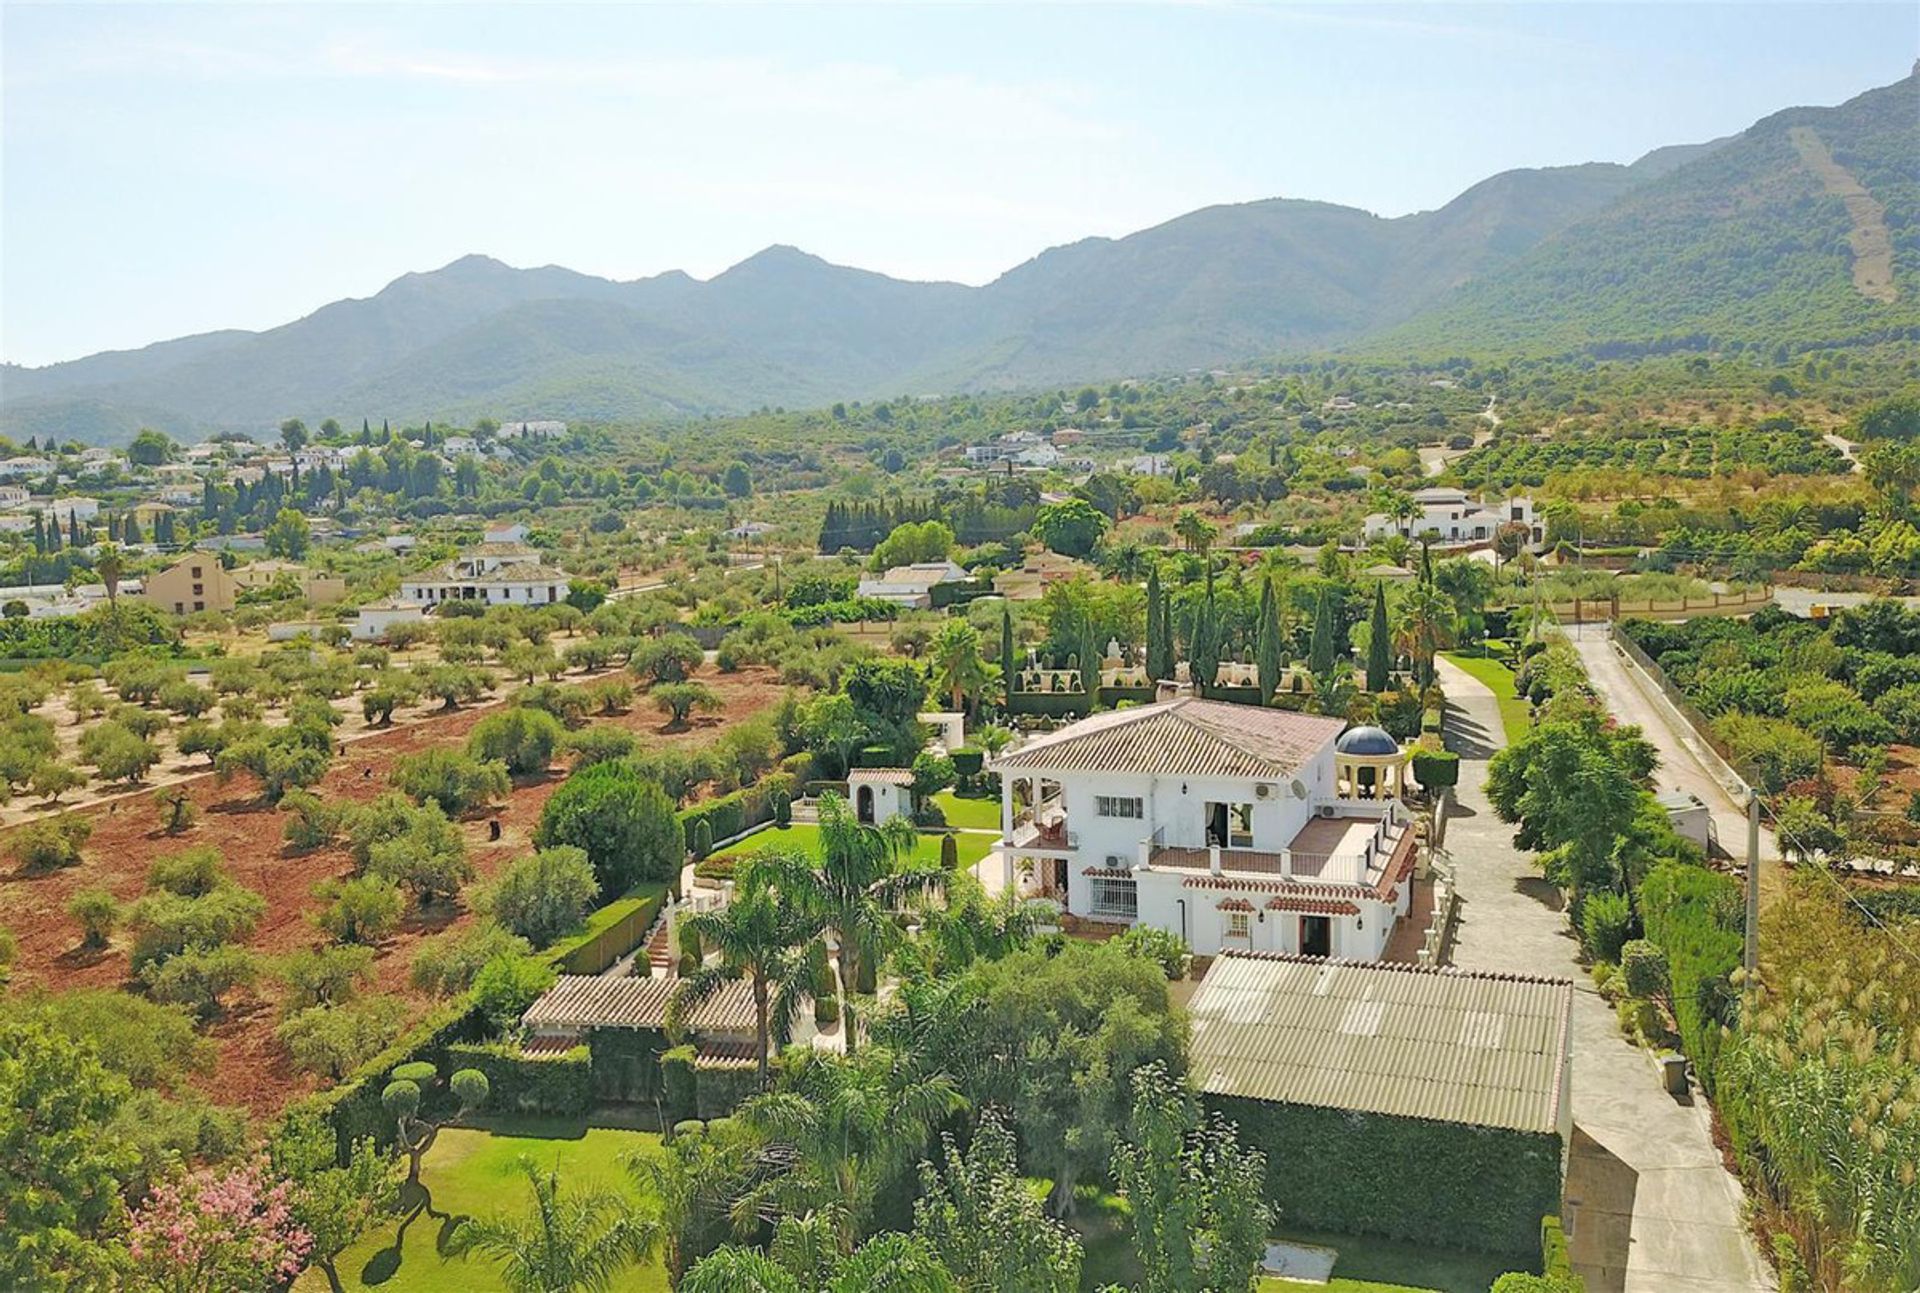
<point>860,881</point>
<point>579,1242</point>
<point>1427,624</point>
<point>1194,530</point>
<point>853,1127</point>
<point>759,938</point>
<point>955,663</point>
<point>108,564</point>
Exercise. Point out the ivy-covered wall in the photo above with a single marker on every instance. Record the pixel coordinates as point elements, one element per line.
<point>626,1064</point>
<point>1440,1183</point>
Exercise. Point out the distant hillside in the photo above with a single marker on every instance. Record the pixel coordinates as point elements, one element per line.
<point>1758,237</point>
<point>1748,243</point>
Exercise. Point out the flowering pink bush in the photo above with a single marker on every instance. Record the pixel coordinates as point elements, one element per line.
<point>227,1230</point>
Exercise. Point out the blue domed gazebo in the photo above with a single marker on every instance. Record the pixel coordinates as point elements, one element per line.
<point>1369,764</point>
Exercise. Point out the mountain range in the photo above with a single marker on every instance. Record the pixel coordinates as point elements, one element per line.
<point>1803,229</point>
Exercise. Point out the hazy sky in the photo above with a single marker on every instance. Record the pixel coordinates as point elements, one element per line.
<point>171,169</point>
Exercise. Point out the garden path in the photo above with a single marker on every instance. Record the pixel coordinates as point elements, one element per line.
<point>1650,1208</point>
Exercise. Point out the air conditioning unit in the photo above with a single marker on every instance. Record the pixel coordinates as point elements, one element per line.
<point>1325,810</point>
<point>1262,791</point>
<point>1114,863</point>
<point>1299,789</point>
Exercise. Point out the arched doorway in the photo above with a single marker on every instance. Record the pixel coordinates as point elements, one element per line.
<point>863,806</point>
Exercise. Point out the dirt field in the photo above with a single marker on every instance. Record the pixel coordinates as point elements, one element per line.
<point>252,1069</point>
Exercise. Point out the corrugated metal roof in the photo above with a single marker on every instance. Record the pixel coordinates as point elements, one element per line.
<point>1444,1045</point>
<point>1184,737</point>
<point>590,1001</point>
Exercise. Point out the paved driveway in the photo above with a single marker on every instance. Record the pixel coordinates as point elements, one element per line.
<point>1685,763</point>
<point>1649,1207</point>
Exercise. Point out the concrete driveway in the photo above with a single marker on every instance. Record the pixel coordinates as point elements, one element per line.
<point>1649,1207</point>
<point>1685,763</point>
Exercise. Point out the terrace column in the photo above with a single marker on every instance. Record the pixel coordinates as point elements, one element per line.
<point>1006,833</point>
<point>1213,858</point>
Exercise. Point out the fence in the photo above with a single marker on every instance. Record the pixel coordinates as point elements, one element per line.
<point>1718,755</point>
<point>1600,610</point>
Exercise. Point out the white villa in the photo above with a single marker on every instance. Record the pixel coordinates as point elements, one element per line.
<point>1233,826</point>
<point>911,586</point>
<point>495,574</point>
<point>1450,516</point>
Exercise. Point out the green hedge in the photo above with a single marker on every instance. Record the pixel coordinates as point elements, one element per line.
<point>1436,769</point>
<point>1698,918</point>
<point>626,1064</point>
<point>1050,704</point>
<point>1556,1263</point>
<point>719,1089</point>
<point>352,1107</point>
<point>679,1086</point>
<point>1331,1169</point>
<point>552,1084</point>
<point>728,815</point>
<point>611,935</point>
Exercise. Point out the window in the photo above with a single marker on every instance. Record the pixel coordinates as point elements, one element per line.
<point>1239,924</point>
<point>1115,895</point>
<point>199,606</point>
<point>1118,806</point>
<point>196,572</point>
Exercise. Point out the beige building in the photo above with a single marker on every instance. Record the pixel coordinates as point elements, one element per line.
<point>196,582</point>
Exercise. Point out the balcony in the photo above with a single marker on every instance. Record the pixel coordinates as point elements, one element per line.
<point>1043,829</point>
<point>1345,848</point>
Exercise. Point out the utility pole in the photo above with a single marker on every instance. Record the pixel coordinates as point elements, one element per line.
<point>1753,882</point>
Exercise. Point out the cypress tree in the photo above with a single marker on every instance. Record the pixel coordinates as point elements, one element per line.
<point>75,536</point>
<point>130,530</point>
<point>1266,643</point>
<point>1159,629</point>
<point>1379,655</point>
<point>1204,652</point>
<point>1089,664</point>
<point>1320,650</point>
<point>1009,667</point>
<point>39,534</point>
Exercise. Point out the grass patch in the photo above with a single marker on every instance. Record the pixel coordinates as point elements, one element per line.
<point>969,812</point>
<point>804,837</point>
<point>1515,717</point>
<point>471,1172</point>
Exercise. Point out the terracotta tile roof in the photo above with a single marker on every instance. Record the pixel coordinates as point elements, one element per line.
<point>1183,737</point>
<point>1486,1050</point>
<point>590,1001</point>
<point>886,776</point>
<point>1291,888</point>
<point>1312,906</point>
<point>1233,904</point>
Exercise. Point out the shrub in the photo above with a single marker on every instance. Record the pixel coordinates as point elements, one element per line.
<point>702,839</point>
<point>428,857</point>
<point>625,824</point>
<point>116,752</point>
<point>1770,752</point>
<point>1165,947</point>
<point>51,842</point>
<point>364,909</point>
<point>324,976</point>
<point>1696,917</point>
<point>52,779</point>
<point>678,700</point>
<point>522,739</point>
<point>191,873</point>
<point>601,743</point>
<point>1643,967</point>
<point>335,1040</point>
<point>669,658</point>
<point>166,924</point>
<point>97,912</point>
<point>312,822</point>
<point>200,976</point>
<point>967,763</point>
<point>544,896</point>
<point>1606,920</point>
<point>678,1084</point>
<point>446,965</point>
<point>506,986</point>
<point>1436,769</point>
<point>454,780</point>
<point>176,809</point>
<point>153,1045</point>
<point>949,852</point>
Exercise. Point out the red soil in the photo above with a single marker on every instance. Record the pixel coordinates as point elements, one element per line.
<point>251,1068</point>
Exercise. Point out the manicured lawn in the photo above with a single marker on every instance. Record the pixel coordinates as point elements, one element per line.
<point>969,813</point>
<point>472,1173</point>
<point>1498,678</point>
<point>804,837</point>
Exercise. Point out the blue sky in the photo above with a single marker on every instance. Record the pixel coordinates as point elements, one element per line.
<point>172,169</point>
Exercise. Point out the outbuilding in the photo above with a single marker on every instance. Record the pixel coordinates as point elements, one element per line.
<point>1429,1105</point>
<point>880,794</point>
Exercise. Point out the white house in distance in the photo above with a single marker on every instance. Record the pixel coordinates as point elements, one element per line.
<point>1450,516</point>
<point>1233,826</point>
<point>911,586</point>
<point>375,618</point>
<point>494,574</point>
